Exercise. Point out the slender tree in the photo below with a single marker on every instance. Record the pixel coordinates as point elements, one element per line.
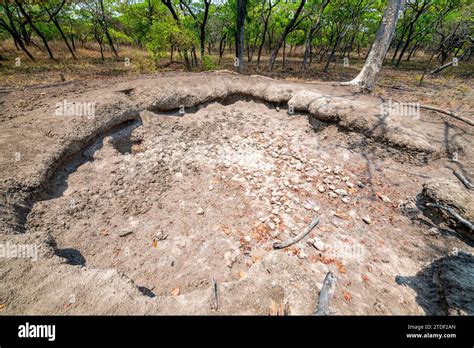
<point>283,36</point>
<point>239,39</point>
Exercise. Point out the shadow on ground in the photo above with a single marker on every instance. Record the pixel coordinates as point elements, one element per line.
<point>446,286</point>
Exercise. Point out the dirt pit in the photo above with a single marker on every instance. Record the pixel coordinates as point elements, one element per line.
<point>172,201</point>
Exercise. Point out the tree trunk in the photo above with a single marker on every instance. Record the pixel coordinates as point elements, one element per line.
<point>365,80</point>
<point>309,38</point>
<point>36,30</point>
<point>13,32</point>
<point>331,55</point>
<point>56,24</point>
<point>222,46</point>
<point>284,55</point>
<point>265,29</point>
<point>17,39</point>
<point>239,42</point>
<point>106,30</point>
<point>282,38</point>
<point>202,27</point>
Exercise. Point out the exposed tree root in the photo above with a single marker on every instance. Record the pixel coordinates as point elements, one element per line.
<point>466,182</point>
<point>453,214</point>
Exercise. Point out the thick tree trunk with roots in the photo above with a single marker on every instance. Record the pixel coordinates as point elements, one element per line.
<point>366,78</point>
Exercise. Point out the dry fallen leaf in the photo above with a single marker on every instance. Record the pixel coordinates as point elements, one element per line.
<point>175,291</point>
<point>155,243</point>
<point>347,296</point>
<point>242,274</point>
<point>2,306</point>
<point>342,215</point>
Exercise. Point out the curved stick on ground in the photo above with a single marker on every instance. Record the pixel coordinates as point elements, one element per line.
<point>449,113</point>
<point>466,182</point>
<point>298,237</point>
<point>455,215</point>
<point>326,294</point>
<point>441,111</point>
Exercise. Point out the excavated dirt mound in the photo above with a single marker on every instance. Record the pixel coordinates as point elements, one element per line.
<point>137,209</point>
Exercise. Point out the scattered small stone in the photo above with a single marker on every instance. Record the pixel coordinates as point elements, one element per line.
<point>360,184</point>
<point>332,195</point>
<point>433,231</point>
<point>248,239</point>
<point>161,235</point>
<point>349,184</point>
<point>385,199</point>
<point>321,189</point>
<point>230,258</point>
<point>302,255</point>
<point>367,220</point>
<point>125,232</point>
<point>277,109</point>
<point>319,244</point>
<point>345,199</point>
<point>308,205</point>
<point>200,211</point>
<point>211,187</point>
<point>341,192</point>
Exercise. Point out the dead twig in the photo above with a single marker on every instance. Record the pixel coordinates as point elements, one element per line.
<point>298,237</point>
<point>441,111</point>
<point>326,294</point>
<point>401,88</point>
<point>453,214</point>
<point>449,113</point>
<point>214,293</point>
<point>466,182</point>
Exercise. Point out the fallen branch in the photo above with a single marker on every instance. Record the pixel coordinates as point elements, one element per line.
<point>466,182</point>
<point>160,66</point>
<point>442,67</point>
<point>214,293</point>
<point>455,215</point>
<point>441,111</point>
<point>401,88</point>
<point>298,237</point>
<point>449,113</point>
<point>326,294</point>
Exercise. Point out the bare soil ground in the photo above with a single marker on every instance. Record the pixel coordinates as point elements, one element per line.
<point>135,210</point>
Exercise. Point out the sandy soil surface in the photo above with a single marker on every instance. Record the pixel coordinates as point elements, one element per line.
<point>139,209</point>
